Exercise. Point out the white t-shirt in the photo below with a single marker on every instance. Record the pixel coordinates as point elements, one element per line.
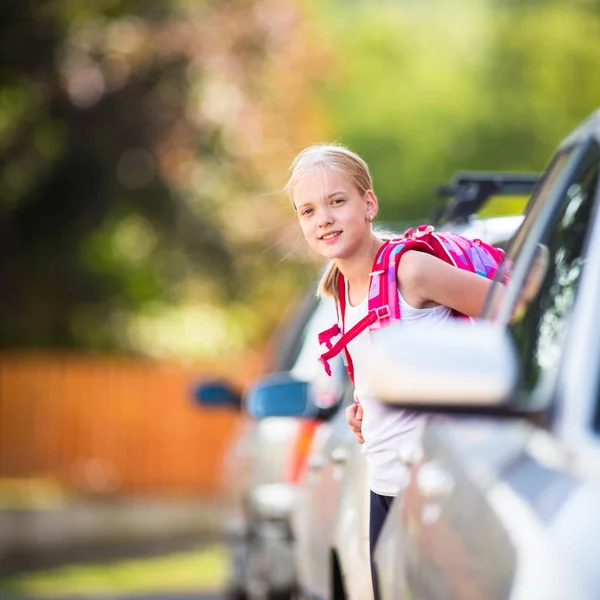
<point>384,427</point>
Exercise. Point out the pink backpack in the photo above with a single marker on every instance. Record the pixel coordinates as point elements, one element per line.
<point>384,306</point>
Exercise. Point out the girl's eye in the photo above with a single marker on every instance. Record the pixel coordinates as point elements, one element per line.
<point>306,212</point>
<point>337,201</point>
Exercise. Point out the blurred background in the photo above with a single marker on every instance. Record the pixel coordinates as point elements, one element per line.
<point>145,244</point>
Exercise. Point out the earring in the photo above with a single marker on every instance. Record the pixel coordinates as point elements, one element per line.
<point>370,218</point>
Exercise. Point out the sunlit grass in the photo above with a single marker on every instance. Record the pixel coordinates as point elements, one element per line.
<point>203,569</point>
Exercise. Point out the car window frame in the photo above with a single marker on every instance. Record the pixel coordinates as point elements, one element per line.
<point>574,420</point>
<point>546,388</point>
<point>538,217</point>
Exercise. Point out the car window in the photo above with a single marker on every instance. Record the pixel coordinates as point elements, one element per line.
<point>536,213</point>
<point>307,366</point>
<point>289,336</point>
<point>557,169</point>
<point>547,293</point>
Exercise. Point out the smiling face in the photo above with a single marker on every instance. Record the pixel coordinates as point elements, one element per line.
<point>333,214</point>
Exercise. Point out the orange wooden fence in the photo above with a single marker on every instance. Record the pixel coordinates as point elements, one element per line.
<point>113,426</point>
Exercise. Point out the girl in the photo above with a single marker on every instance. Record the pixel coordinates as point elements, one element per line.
<point>332,193</point>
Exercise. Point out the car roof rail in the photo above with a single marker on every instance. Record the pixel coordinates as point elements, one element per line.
<point>470,190</point>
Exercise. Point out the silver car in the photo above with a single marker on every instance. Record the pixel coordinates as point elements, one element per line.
<point>265,457</point>
<point>504,497</point>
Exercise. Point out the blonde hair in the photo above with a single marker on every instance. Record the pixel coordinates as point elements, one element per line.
<point>337,158</point>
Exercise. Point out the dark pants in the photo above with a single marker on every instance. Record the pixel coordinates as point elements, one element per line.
<point>380,506</point>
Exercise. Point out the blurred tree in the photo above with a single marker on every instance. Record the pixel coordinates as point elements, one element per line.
<point>142,144</point>
<point>136,143</point>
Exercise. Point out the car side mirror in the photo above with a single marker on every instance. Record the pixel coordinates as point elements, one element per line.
<point>280,395</point>
<point>458,365</point>
<point>212,394</point>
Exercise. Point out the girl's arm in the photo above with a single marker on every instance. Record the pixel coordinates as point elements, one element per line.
<point>426,280</point>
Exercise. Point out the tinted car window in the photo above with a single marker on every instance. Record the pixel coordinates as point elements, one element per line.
<point>307,366</point>
<point>289,337</point>
<point>538,204</point>
<point>549,290</point>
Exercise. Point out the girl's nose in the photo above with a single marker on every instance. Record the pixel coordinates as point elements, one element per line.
<point>324,217</point>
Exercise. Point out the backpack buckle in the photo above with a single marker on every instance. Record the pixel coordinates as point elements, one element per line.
<point>382,312</point>
<point>423,230</point>
<point>325,336</point>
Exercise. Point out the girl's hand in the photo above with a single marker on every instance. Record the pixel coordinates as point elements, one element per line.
<point>354,415</point>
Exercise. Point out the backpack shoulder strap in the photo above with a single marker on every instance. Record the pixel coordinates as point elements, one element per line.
<point>347,336</point>
<point>383,302</point>
<point>383,290</point>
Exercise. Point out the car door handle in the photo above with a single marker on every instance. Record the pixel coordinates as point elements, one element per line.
<point>434,481</point>
<point>315,463</point>
<point>410,453</point>
<point>339,455</point>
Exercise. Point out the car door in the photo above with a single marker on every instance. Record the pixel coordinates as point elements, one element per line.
<point>317,501</point>
<point>330,522</point>
<point>273,444</point>
<point>476,519</point>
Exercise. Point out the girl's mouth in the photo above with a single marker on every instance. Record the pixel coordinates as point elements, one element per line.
<point>330,237</point>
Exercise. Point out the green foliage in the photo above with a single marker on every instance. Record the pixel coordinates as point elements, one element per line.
<point>425,89</point>
<point>134,152</point>
<point>141,145</point>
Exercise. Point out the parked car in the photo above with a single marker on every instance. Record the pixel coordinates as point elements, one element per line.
<point>504,498</point>
<point>266,457</point>
<point>330,520</point>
